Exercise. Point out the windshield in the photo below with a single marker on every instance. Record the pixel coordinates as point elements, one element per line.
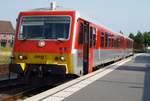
<point>45,27</point>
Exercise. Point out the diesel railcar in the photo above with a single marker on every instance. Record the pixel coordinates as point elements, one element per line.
<point>63,42</point>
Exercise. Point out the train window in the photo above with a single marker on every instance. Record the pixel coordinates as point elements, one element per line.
<point>109,41</point>
<point>129,44</point>
<point>106,40</point>
<point>92,36</point>
<point>45,27</point>
<point>102,39</point>
<point>81,31</point>
<point>122,42</point>
<point>119,42</point>
<point>115,42</point>
<point>112,42</point>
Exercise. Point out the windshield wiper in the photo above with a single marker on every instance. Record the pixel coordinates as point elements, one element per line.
<point>23,37</point>
<point>60,39</point>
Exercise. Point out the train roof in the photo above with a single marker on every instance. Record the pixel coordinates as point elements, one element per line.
<point>99,24</point>
<point>78,15</point>
<point>102,26</point>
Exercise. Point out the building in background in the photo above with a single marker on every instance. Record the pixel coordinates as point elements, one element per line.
<point>7,33</point>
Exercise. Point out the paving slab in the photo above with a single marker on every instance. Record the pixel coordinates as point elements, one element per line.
<point>129,82</point>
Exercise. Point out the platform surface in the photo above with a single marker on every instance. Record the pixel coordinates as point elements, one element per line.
<point>129,82</point>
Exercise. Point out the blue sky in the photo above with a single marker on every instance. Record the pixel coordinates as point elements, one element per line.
<point>126,15</point>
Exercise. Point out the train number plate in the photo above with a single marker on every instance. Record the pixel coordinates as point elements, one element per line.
<point>40,57</point>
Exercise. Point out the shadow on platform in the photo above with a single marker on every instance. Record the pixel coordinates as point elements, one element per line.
<point>146,92</point>
<point>145,67</point>
<point>134,68</point>
<point>142,59</point>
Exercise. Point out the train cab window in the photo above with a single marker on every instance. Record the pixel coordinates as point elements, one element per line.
<point>106,40</point>
<point>45,27</point>
<point>102,39</point>
<point>81,31</point>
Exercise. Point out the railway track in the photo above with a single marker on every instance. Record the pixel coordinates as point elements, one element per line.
<point>22,92</point>
<point>4,69</point>
<point>14,89</point>
<point>10,88</point>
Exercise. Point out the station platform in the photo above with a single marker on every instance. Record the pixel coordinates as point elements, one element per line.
<point>125,81</point>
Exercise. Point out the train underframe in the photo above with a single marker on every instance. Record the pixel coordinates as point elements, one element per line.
<point>37,71</point>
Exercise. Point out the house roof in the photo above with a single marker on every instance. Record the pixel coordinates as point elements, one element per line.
<point>6,27</point>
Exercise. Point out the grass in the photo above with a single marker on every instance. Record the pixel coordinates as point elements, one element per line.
<point>138,51</point>
<point>4,60</point>
<point>5,55</point>
<point>5,49</point>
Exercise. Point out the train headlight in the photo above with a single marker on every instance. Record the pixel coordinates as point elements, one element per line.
<point>21,57</point>
<point>41,43</point>
<point>62,58</point>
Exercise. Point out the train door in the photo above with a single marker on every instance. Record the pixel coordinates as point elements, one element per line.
<point>87,50</point>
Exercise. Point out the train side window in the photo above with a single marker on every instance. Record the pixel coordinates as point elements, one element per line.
<point>112,43</point>
<point>117,44</point>
<point>109,40</point>
<point>92,37</point>
<point>106,40</point>
<point>102,39</point>
<point>81,31</point>
<point>120,40</point>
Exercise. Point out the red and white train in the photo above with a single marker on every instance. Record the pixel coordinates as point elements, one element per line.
<point>63,42</point>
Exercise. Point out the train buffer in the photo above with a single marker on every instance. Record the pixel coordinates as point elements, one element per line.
<point>126,80</point>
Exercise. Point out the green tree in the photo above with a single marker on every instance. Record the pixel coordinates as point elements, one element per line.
<point>121,32</point>
<point>131,35</point>
<point>146,36</point>
<point>139,39</point>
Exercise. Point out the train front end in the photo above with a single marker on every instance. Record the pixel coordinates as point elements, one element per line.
<point>43,43</point>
